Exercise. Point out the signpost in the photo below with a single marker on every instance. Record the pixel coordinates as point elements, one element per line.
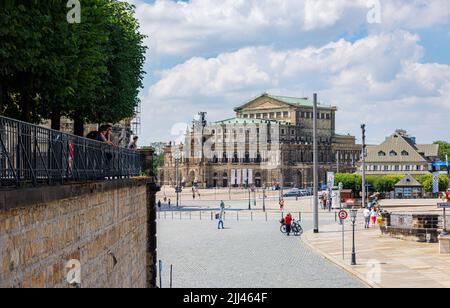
<point>343,215</point>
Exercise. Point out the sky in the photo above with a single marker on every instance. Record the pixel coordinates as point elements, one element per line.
<point>385,63</point>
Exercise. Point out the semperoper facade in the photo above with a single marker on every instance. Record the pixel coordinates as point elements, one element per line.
<point>268,143</point>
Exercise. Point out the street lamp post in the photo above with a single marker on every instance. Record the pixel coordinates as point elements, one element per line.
<point>177,185</point>
<point>353,214</point>
<point>264,199</point>
<point>249,196</point>
<point>363,128</point>
<point>316,167</point>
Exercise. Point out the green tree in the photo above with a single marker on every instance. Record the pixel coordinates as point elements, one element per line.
<point>444,149</point>
<point>91,72</point>
<point>351,181</point>
<point>427,182</point>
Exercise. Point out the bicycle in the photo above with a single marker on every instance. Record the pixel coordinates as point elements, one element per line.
<point>296,228</point>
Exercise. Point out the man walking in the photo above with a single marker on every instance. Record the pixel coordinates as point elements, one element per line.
<point>221,216</point>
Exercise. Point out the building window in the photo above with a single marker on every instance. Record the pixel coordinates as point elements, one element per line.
<point>393,153</point>
<point>381,153</point>
<point>258,116</point>
<point>405,153</point>
<point>386,168</point>
<point>252,116</point>
<point>328,116</point>
<point>279,114</point>
<point>285,114</point>
<point>245,116</point>
<point>272,115</point>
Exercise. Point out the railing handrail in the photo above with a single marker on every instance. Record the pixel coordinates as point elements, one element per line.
<point>55,131</point>
<point>31,153</point>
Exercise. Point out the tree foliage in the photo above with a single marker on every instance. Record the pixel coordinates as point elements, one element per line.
<point>444,149</point>
<point>427,182</point>
<point>387,183</point>
<point>90,72</point>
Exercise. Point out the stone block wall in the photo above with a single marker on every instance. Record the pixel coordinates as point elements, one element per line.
<point>103,226</point>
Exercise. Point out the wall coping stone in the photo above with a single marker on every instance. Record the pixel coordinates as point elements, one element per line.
<point>27,197</point>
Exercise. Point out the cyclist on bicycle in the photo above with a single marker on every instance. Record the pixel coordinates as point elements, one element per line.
<point>288,223</point>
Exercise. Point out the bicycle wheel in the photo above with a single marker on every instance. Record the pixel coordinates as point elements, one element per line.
<point>283,229</point>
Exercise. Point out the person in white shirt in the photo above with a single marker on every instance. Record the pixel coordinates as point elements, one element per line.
<point>367,215</point>
<point>133,144</point>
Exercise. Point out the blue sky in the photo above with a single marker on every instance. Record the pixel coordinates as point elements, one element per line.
<point>383,62</point>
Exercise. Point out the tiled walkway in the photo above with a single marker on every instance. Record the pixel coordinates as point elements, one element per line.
<point>383,261</point>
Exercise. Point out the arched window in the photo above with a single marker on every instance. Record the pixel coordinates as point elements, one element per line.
<point>381,153</point>
<point>393,153</point>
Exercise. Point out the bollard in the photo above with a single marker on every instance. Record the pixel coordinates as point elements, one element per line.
<point>200,215</point>
<point>171,276</point>
<point>300,216</point>
<point>190,215</point>
<point>172,215</point>
<point>237,215</point>
<point>335,216</point>
<point>266,217</point>
<point>251,215</point>
<point>180,216</point>
<point>212,216</point>
<point>165,215</point>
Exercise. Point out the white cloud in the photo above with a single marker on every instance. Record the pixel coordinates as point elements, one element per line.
<point>210,26</point>
<point>378,79</point>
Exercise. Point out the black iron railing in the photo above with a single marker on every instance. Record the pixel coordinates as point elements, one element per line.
<point>33,155</point>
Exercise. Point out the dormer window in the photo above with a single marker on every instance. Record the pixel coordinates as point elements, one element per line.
<point>381,153</point>
<point>393,153</point>
<point>405,153</point>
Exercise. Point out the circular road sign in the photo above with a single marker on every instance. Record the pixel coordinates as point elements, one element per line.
<point>343,215</point>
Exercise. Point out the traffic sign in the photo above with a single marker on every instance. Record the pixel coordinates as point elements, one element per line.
<point>343,215</point>
<point>444,205</point>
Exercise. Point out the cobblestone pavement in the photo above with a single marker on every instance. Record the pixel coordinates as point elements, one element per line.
<point>247,254</point>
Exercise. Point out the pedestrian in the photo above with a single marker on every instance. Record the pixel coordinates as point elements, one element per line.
<point>329,205</point>
<point>170,202</point>
<point>367,215</point>
<point>133,144</point>
<point>281,204</point>
<point>373,215</point>
<point>288,223</point>
<point>159,204</point>
<point>105,134</point>
<point>221,216</point>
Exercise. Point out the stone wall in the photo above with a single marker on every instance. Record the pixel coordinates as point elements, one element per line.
<point>103,226</point>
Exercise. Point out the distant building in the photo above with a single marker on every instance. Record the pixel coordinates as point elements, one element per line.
<point>400,153</point>
<point>408,188</point>
<point>268,143</point>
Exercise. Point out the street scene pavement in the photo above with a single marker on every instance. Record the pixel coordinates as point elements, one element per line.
<point>383,261</point>
<point>250,253</point>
